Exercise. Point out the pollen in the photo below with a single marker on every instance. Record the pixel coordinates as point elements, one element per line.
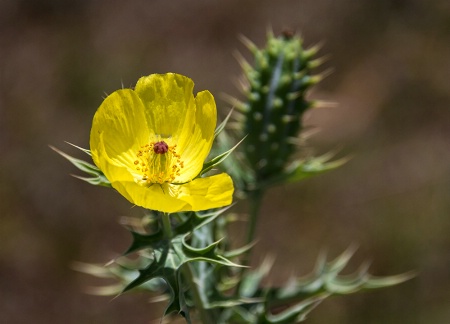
<point>158,162</point>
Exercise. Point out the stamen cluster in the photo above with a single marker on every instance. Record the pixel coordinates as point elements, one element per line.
<point>158,162</point>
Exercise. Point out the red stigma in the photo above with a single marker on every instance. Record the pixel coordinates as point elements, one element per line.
<point>160,147</point>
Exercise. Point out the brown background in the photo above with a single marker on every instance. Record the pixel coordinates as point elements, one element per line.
<point>391,77</point>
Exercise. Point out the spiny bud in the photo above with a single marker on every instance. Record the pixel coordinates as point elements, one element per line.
<point>276,89</point>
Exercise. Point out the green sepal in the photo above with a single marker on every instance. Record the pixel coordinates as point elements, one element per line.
<point>222,125</point>
<point>207,166</point>
<point>88,152</point>
<point>97,177</point>
<point>235,165</point>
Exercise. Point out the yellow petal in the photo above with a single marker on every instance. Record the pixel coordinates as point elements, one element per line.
<point>206,193</point>
<point>199,194</point>
<point>121,123</point>
<point>169,103</point>
<point>155,197</point>
<point>172,111</point>
<point>195,146</point>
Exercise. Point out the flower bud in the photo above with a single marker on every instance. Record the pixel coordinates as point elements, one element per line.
<point>275,89</point>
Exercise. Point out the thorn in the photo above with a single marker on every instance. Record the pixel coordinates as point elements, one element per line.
<point>294,95</point>
<point>242,85</point>
<point>261,164</point>
<point>242,61</point>
<point>237,126</point>
<point>239,105</point>
<point>289,118</point>
<point>319,61</point>
<point>294,140</point>
<point>257,116</point>
<point>308,132</point>
<point>271,128</point>
<point>239,116</point>
<point>324,104</point>
<point>319,77</point>
<point>263,138</point>
<point>311,51</point>
<point>248,43</point>
<point>269,31</point>
<point>300,74</point>
<point>79,147</point>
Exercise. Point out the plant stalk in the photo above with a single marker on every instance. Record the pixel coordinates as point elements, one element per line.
<point>167,227</point>
<point>205,316</point>
<point>188,275</point>
<point>255,201</point>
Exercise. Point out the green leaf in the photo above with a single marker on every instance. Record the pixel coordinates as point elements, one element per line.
<point>239,251</point>
<point>207,254</point>
<point>300,170</point>
<point>250,283</point>
<point>194,221</point>
<point>237,315</point>
<point>169,256</point>
<point>327,278</point>
<point>296,313</point>
<point>141,241</point>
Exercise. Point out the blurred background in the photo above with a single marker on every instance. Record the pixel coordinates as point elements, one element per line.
<point>391,69</point>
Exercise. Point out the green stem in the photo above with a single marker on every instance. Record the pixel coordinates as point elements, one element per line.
<point>255,200</point>
<point>205,316</point>
<point>167,227</point>
<point>188,275</point>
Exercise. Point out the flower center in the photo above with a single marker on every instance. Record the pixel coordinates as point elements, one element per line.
<point>160,147</point>
<point>158,163</point>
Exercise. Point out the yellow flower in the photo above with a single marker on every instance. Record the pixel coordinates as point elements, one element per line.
<point>151,143</point>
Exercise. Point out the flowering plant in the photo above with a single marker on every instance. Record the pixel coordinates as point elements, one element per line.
<point>151,144</point>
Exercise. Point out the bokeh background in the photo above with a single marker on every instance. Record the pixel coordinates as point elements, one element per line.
<point>391,63</point>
